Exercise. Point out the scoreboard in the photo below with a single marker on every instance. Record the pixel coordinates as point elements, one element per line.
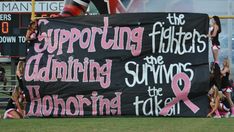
<point>6,24</point>
<point>15,17</point>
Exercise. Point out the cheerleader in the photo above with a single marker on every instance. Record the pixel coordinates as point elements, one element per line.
<point>214,35</point>
<point>217,103</point>
<point>15,106</point>
<point>225,84</point>
<point>32,31</point>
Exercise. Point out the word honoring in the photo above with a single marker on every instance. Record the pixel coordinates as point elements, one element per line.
<point>54,40</point>
<point>52,105</point>
<point>174,39</point>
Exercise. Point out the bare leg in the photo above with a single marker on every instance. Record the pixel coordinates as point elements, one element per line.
<point>228,95</point>
<point>14,114</point>
<point>215,55</point>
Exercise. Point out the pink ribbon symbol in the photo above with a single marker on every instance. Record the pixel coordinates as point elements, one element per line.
<point>180,94</point>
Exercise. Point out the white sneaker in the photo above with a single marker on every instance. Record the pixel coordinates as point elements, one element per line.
<point>232,115</point>
<point>217,116</point>
<point>227,115</point>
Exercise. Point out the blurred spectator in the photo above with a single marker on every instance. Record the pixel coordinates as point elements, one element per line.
<point>3,77</point>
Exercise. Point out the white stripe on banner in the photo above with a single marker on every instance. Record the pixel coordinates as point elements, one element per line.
<point>81,2</point>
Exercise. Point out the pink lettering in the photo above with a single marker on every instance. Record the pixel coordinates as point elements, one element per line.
<point>72,100</point>
<point>94,99</point>
<point>137,38</point>
<point>123,31</point>
<point>104,104</point>
<point>109,105</point>
<point>106,72</point>
<point>38,47</point>
<point>51,105</point>
<point>95,30</point>
<point>52,46</point>
<point>69,71</point>
<point>106,45</point>
<point>116,103</point>
<point>44,72</point>
<point>78,67</point>
<point>64,37</point>
<point>85,44</point>
<point>94,67</point>
<point>61,39</point>
<point>82,101</point>
<point>29,76</point>
<point>61,68</point>
<point>57,103</point>
<point>35,101</point>
<point>85,74</point>
<point>47,112</point>
<point>75,35</point>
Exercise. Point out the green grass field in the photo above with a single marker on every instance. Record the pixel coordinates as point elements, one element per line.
<point>118,124</point>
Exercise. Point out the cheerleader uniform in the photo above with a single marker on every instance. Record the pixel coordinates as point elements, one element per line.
<point>215,41</point>
<point>11,106</point>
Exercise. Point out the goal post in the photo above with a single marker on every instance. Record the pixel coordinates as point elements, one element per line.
<point>33,15</point>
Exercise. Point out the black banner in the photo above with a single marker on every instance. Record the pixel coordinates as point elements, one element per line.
<point>151,64</point>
